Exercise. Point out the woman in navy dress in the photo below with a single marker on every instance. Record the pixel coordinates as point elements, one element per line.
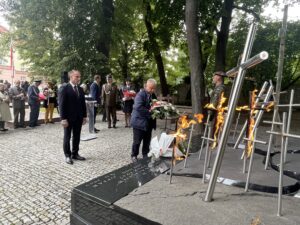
<point>128,95</point>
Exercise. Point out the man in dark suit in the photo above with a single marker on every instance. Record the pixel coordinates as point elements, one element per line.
<point>73,115</point>
<point>95,92</point>
<point>34,103</point>
<point>141,120</point>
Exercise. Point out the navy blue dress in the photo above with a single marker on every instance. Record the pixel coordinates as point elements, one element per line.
<point>127,104</point>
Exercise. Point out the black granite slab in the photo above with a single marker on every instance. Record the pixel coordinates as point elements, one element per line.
<point>87,211</point>
<point>292,166</point>
<point>92,202</point>
<point>231,172</point>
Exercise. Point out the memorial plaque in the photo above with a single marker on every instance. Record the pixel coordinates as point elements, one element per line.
<point>111,187</point>
<point>92,202</point>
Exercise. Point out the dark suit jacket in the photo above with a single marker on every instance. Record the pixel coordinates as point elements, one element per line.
<point>141,116</point>
<point>33,95</point>
<point>71,106</point>
<point>95,92</point>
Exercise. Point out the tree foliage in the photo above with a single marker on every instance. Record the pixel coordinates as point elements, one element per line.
<point>267,40</point>
<point>142,38</point>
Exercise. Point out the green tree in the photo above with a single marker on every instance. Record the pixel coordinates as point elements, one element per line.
<point>267,40</point>
<point>54,36</point>
<point>162,20</point>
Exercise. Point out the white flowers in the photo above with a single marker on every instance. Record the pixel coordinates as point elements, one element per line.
<point>161,110</point>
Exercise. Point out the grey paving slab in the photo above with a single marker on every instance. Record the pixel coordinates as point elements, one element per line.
<point>35,182</point>
<point>181,203</point>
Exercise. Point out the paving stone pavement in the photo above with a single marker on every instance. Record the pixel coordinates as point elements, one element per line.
<point>36,183</point>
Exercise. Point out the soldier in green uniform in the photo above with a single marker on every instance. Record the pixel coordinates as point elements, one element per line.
<point>110,94</point>
<point>218,81</point>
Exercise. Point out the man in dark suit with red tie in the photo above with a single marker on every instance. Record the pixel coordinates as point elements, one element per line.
<point>73,115</point>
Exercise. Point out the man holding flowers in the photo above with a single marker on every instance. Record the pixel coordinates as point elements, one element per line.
<point>141,120</point>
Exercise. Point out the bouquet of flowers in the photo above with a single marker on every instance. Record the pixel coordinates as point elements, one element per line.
<point>128,95</point>
<point>161,110</point>
<point>162,147</point>
<point>42,96</point>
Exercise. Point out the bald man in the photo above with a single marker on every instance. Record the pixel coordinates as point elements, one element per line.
<point>141,120</point>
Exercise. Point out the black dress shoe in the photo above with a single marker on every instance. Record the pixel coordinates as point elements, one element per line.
<point>69,160</point>
<point>96,130</point>
<point>109,127</point>
<point>114,126</point>
<point>78,157</point>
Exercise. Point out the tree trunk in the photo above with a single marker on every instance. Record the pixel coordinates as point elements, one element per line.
<point>123,61</point>
<point>222,36</point>
<point>156,52</point>
<point>194,47</point>
<point>106,23</point>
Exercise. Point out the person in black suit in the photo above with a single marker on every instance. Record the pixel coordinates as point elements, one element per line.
<point>73,115</point>
<point>95,93</point>
<point>34,103</point>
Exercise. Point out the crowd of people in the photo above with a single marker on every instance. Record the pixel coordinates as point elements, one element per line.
<point>108,97</point>
<point>70,101</point>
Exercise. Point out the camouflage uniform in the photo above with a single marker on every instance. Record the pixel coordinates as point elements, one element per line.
<point>215,97</point>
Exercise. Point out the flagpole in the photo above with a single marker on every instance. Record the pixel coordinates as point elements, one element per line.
<point>12,66</point>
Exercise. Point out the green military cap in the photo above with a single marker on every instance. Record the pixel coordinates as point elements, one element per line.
<point>220,73</point>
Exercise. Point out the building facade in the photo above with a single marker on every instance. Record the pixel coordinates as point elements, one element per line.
<point>11,66</point>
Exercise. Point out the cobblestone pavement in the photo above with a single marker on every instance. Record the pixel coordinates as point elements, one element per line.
<point>36,183</point>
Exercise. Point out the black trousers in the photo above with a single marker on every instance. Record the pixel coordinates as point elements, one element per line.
<point>34,114</point>
<point>19,111</point>
<point>74,127</point>
<point>138,137</point>
<point>2,125</point>
<point>95,113</point>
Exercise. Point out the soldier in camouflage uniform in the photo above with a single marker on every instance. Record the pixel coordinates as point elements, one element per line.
<point>218,81</point>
